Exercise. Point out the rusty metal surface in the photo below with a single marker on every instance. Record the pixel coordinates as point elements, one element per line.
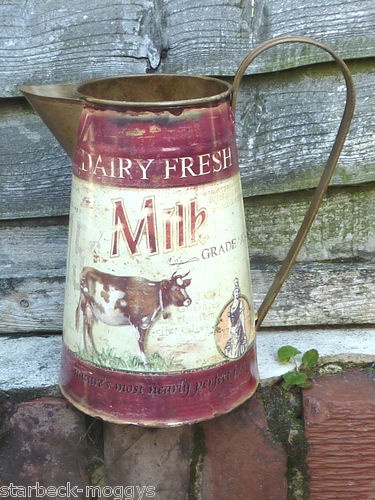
<point>157,206</point>
<point>330,165</point>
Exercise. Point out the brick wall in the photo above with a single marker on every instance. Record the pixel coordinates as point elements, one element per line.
<point>312,444</point>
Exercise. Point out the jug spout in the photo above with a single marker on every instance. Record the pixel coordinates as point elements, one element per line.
<point>59,109</point>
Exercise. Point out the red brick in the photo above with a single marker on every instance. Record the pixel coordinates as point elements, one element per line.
<point>339,413</point>
<point>158,458</point>
<point>44,442</point>
<point>242,461</point>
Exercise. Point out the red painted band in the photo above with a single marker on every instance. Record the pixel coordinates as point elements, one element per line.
<point>156,149</point>
<point>158,399</point>
<point>162,172</point>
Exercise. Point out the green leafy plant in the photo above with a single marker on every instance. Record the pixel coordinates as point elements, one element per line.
<point>301,374</point>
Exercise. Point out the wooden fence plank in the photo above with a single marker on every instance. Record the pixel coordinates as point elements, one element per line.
<point>315,294</point>
<point>41,355</point>
<point>33,248</point>
<point>320,294</point>
<point>286,122</point>
<point>35,172</point>
<point>285,126</point>
<point>53,42</point>
<point>31,305</point>
<point>344,230</point>
<point>30,362</point>
<point>214,37</point>
<point>333,282</point>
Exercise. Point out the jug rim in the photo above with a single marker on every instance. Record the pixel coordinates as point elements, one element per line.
<point>86,90</point>
<point>46,92</point>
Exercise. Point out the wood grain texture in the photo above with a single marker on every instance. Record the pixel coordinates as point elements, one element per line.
<point>31,305</point>
<point>344,228</point>
<point>35,173</point>
<point>34,248</point>
<point>56,43</point>
<point>39,369</point>
<point>286,125</point>
<point>286,122</point>
<point>333,282</point>
<point>41,354</point>
<point>315,294</point>
<point>217,36</point>
<point>320,294</point>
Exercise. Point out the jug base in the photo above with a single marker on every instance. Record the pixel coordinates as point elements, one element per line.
<point>158,400</point>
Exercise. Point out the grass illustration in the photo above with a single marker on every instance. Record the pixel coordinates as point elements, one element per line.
<point>110,358</point>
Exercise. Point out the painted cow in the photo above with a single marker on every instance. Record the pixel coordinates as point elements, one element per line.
<point>127,300</point>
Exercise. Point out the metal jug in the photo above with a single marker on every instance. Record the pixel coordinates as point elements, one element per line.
<point>159,321</point>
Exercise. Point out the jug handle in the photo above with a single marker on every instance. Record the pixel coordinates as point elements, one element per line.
<point>328,170</point>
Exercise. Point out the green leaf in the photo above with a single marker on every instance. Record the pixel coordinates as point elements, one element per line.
<point>310,358</point>
<point>295,378</point>
<point>287,352</point>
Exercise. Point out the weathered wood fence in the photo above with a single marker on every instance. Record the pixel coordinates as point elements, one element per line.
<point>288,112</point>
